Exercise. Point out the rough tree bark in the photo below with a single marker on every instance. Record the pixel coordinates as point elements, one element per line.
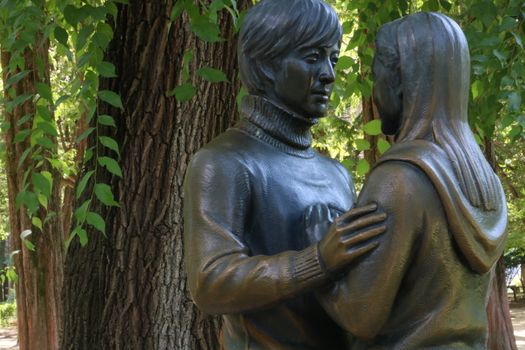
<point>40,272</point>
<point>129,291</point>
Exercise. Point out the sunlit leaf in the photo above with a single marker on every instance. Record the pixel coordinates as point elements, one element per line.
<point>382,146</point>
<point>373,127</point>
<point>362,167</point>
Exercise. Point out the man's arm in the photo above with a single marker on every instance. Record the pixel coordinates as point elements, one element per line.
<point>361,301</point>
<point>223,277</point>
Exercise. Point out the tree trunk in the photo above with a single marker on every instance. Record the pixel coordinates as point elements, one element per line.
<point>39,272</point>
<point>369,114</point>
<point>501,332</point>
<point>129,291</point>
<point>522,277</point>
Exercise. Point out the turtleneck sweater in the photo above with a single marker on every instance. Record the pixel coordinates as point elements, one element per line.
<point>247,254</point>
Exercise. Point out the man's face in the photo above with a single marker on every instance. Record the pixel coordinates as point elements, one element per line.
<point>386,96</point>
<point>304,80</point>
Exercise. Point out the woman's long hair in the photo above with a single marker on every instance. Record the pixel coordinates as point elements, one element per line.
<point>434,66</point>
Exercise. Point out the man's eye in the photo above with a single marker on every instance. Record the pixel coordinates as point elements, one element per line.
<point>313,58</point>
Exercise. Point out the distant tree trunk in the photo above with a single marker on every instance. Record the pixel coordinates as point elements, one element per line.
<point>39,272</point>
<point>369,114</point>
<point>501,332</point>
<point>522,276</point>
<point>129,291</point>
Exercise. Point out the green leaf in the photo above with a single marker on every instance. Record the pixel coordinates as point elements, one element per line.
<point>107,120</point>
<point>72,15</point>
<point>27,199</point>
<point>111,98</point>
<point>110,164</point>
<point>106,69</point>
<point>103,35</point>
<point>44,113</point>
<point>508,23</point>
<point>344,62</point>
<point>518,39</point>
<point>18,100</point>
<point>184,92</point>
<point>81,212</point>
<point>362,145</point>
<point>212,75</point>
<point>109,143</point>
<point>383,146</point>
<point>514,101</point>
<point>24,119</point>
<point>362,167</point>
<point>373,127</point>
<point>37,222</point>
<point>47,128</point>
<point>83,36</point>
<point>85,134</point>
<point>45,91</point>
<point>81,234</point>
<point>96,221</point>
<point>348,164</point>
<point>16,78</point>
<point>61,35</point>
<point>204,29</point>
<point>42,200</point>
<point>177,9</point>
<point>104,194</point>
<point>83,183</point>
<point>24,235</point>
<point>42,184</point>
<point>22,135</point>
<point>46,143</point>
<point>23,157</point>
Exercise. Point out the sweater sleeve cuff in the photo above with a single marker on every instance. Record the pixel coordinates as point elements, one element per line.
<point>308,267</point>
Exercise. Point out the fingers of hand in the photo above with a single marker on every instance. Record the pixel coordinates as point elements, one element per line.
<point>363,222</point>
<point>357,212</point>
<point>363,236</point>
<point>362,250</point>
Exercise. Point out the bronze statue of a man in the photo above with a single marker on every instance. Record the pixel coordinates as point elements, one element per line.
<point>246,252</point>
<point>425,286</point>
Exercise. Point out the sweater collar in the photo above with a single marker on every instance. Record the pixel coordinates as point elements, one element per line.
<point>277,126</point>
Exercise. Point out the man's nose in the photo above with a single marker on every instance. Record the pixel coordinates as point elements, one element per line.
<point>327,75</point>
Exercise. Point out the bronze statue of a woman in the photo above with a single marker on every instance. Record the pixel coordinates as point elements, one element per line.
<point>425,286</point>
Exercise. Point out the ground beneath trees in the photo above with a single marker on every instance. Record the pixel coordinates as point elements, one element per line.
<point>518,321</point>
<point>8,335</point>
<point>8,338</point>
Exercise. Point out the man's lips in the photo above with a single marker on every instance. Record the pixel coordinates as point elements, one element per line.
<point>321,94</point>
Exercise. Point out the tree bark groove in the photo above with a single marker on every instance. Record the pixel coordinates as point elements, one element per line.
<point>129,291</point>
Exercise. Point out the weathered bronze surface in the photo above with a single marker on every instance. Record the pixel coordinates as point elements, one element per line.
<point>425,285</point>
<point>247,253</point>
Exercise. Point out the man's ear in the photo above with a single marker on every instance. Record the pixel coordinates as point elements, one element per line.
<point>267,72</point>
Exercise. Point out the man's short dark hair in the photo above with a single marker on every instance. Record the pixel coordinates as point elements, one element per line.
<point>273,27</point>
